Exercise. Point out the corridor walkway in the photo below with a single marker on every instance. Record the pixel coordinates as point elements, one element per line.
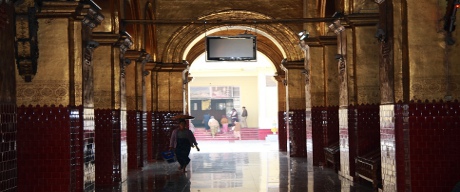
<point>241,166</point>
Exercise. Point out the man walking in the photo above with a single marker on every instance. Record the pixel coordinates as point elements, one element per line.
<point>244,116</point>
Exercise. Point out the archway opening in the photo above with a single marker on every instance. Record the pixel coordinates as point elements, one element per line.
<point>220,86</point>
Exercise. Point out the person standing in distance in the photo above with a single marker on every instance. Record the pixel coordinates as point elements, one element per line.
<point>244,116</point>
<point>234,116</point>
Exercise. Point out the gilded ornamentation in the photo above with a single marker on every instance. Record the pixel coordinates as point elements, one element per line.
<point>26,43</point>
<point>43,93</point>
<point>93,18</point>
<point>432,88</point>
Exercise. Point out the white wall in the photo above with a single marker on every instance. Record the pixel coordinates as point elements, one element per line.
<point>248,89</point>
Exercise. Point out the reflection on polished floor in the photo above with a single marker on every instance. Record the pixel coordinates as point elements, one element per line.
<point>245,166</point>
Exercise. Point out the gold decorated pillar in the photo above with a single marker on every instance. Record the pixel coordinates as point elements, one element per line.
<point>124,43</point>
<point>136,95</point>
<point>91,17</point>
<point>296,103</point>
<point>308,102</point>
<point>341,57</point>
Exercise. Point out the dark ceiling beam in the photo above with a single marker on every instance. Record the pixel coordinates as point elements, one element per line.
<point>232,21</point>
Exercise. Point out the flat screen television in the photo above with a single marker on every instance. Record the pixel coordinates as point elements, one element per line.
<point>231,48</point>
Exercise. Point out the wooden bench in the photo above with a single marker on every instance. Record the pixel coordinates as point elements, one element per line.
<point>332,155</point>
<point>368,167</point>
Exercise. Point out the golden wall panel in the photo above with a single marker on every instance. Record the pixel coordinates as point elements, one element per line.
<point>102,99</point>
<point>367,65</point>
<point>331,76</point>
<point>426,57</point>
<point>53,62</point>
<point>296,82</point>
<point>317,76</point>
<point>103,77</point>
<point>51,83</point>
<point>433,88</point>
<point>164,91</point>
<point>131,86</point>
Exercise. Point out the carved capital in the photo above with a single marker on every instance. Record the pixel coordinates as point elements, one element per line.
<point>125,42</point>
<point>93,16</point>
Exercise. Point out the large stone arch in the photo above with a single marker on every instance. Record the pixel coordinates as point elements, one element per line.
<point>151,46</point>
<point>275,40</point>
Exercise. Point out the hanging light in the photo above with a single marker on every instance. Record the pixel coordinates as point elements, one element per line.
<point>379,1</point>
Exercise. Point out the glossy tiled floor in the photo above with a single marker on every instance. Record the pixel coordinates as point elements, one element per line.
<point>243,166</point>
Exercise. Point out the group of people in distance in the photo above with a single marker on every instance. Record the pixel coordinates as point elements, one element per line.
<point>211,124</point>
<point>183,140</point>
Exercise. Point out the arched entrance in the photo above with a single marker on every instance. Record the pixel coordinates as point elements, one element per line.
<point>275,41</point>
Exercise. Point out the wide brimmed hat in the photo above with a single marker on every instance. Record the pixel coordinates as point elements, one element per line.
<point>182,117</point>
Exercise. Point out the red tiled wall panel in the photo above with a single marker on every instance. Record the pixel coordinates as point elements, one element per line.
<point>352,137</point>
<point>149,136</point>
<point>332,125</point>
<point>45,153</point>
<point>434,144</point>
<point>132,140</point>
<point>107,163</point>
<point>162,126</point>
<point>368,128</point>
<point>282,133</point>
<point>8,153</point>
<point>298,134</point>
<point>318,130</point>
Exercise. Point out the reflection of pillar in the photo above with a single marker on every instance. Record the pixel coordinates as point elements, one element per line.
<point>92,18</point>
<point>121,150</point>
<point>339,30</point>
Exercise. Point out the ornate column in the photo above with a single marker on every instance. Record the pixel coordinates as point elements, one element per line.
<point>308,105</point>
<point>125,43</point>
<point>391,147</point>
<point>91,18</point>
<point>339,30</point>
<point>142,106</point>
<point>308,100</point>
<point>296,131</point>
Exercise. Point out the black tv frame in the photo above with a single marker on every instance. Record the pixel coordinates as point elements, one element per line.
<point>230,57</point>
